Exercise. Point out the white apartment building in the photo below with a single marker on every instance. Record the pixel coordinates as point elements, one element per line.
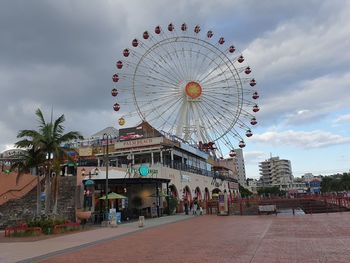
<point>240,167</point>
<point>276,172</point>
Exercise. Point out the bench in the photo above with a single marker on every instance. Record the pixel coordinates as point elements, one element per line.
<point>268,209</point>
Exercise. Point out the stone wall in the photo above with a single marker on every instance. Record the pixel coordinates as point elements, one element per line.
<point>25,207</point>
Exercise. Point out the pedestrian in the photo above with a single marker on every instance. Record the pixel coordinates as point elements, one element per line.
<point>195,206</point>
<point>186,207</point>
<point>200,210</point>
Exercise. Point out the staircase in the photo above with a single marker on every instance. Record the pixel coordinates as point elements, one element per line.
<point>24,208</point>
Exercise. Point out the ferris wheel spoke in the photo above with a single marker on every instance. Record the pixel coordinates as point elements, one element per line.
<point>170,71</point>
<point>206,67</point>
<point>153,69</point>
<point>213,62</point>
<point>173,67</point>
<point>216,103</point>
<point>133,76</point>
<point>219,109</point>
<point>173,58</point>
<point>218,67</point>
<point>212,108</point>
<point>229,100</point>
<point>208,119</point>
<point>171,105</point>
<point>181,64</point>
<point>221,74</point>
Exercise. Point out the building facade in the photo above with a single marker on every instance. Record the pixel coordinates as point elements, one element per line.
<point>143,163</point>
<point>240,167</point>
<point>276,172</point>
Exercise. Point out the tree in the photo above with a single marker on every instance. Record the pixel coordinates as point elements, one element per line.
<point>49,139</point>
<point>244,191</point>
<point>274,191</point>
<point>345,182</point>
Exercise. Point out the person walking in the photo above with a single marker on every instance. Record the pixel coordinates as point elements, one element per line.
<point>195,206</point>
<point>186,207</point>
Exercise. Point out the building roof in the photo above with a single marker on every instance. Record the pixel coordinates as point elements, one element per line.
<point>109,130</point>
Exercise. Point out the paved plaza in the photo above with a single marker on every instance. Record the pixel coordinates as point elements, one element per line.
<point>304,238</point>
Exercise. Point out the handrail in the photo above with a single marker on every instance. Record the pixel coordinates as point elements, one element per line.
<point>13,191</point>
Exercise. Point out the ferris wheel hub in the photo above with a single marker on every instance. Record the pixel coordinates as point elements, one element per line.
<point>193,90</point>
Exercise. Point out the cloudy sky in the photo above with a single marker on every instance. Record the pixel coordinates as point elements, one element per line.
<point>61,54</point>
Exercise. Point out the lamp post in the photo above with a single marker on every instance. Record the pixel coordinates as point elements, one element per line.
<point>105,139</point>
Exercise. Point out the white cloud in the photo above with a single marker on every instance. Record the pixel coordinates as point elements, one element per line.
<point>308,101</point>
<point>253,157</point>
<point>342,118</point>
<point>301,139</point>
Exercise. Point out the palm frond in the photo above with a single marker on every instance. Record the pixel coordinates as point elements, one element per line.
<point>28,133</point>
<point>73,135</point>
<point>58,127</point>
<point>40,115</point>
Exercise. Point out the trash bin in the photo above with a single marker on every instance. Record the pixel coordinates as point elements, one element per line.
<point>141,221</point>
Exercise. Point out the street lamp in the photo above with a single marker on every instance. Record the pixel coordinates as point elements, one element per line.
<point>105,138</point>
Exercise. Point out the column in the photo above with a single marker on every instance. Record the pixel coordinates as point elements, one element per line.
<point>152,159</point>
<point>172,158</point>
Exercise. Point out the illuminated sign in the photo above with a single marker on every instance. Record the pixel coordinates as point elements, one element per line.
<point>144,170</point>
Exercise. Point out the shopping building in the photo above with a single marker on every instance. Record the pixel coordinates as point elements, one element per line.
<point>147,167</point>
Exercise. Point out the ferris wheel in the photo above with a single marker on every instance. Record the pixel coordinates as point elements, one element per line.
<point>190,84</point>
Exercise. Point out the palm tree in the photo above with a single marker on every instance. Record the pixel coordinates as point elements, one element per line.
<point>49,140</point>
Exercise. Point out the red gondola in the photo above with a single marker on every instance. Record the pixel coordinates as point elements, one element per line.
<point>248,133</point>
<point>253,121</point>
<point>241,144</point>
<point>247,70</point>
<point>210,34</point>
<point>240,59</point>
<point>232,49</point>
<point>221,40</point>
<point>115,78</point>
<point>255,95</point>
<point>126,52</point>
<point>116,107</point>
<point>170,27</point>
<point>135,43</point>
<point>197,29</point>
<point>232,153</point>
<point>252,82</point>
<point>114,92</point>
<point>145,35</point>
<point>157,30</point>
<point>256,108</point>
<point>119,64</point>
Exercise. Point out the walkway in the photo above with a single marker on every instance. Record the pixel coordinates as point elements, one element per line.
<point>306,238</point>
<point>27,251</point>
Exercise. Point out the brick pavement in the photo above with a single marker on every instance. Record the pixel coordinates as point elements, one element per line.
<point>308,238</point>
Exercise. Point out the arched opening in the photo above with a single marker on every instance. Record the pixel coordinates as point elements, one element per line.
<point>187,194</point>
<point>198,193</point>
<point>206,194</point>
<point>215,193</point>
<point>173,191</point>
